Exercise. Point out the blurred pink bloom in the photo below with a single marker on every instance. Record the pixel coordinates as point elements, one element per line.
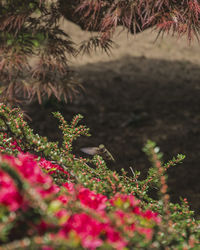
<point>27,167</point>
<point>69,187</point>
<point>63,198</point>
<point>87,228</point>
<point>49,165</point>
<point>9,195</point>
<point>92,200</point>
<point>151,215</point>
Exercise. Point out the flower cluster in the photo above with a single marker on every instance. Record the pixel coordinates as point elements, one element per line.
<point>88,218</point>
<point>27,169</point>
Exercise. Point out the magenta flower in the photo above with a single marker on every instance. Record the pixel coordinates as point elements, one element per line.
<point>52,168</point>
<point>91,224</point>
<point>15,146</point>
<point>87,228</point>
<point>92,200</point>
<point>9,195</point>
<point>27,167</point>
<point>114,238</point>
<point>69,186</point>
<point>63,198</point>
<point>151,216</point>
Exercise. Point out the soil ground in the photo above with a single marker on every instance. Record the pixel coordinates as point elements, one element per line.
<point>144,90</point>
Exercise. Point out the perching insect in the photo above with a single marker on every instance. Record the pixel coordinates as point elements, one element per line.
<point>101,150</point>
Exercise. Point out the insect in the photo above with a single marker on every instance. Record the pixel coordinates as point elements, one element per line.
<point>100,150</point>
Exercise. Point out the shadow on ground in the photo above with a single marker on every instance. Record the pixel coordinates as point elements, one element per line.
<point>131,100</point>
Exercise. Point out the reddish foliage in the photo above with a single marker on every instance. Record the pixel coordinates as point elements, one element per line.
<point>26,34</point>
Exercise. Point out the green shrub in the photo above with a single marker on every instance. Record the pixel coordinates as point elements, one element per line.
<point>50,198</point>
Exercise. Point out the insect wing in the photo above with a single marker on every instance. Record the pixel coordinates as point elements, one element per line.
<point>90,150</point>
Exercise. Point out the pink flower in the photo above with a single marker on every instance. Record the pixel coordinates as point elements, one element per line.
<point>84,225</point>
<point>63,198</point>
<point>136,210</point>
<point>69,187</point>
<point>52,168</point>
<point>27,167</point>
<point>121,214</point>
<point>46,191</point>
<point>127,220</point>
<point>87,228</point>
<point>14,143</point>
<point>9,195</point>
<point>115,238</point>
<point>92,200</point>
<point>62,214</point>
<point>151,216</point>
<point>90,231</point>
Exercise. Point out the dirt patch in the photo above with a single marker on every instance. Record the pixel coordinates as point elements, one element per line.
<point>145,90</point>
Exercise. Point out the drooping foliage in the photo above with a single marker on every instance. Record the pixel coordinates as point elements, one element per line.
<point>34,49</point>
<point>104,16</point>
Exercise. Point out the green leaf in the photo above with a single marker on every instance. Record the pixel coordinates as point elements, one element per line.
<point>9,42</point>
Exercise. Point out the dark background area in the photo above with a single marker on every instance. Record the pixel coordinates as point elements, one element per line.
<point>144,90</point>
<point>162,106</point>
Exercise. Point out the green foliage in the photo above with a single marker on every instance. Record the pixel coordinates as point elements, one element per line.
<point>155,156</point>
<point>178,228</point>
